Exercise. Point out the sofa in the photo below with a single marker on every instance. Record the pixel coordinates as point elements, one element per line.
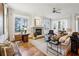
<point>63,46</point>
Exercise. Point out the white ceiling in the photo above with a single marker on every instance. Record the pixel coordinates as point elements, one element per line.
<point>45,9</point>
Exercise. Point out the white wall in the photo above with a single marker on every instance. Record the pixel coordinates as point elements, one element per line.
<point>10,24</point>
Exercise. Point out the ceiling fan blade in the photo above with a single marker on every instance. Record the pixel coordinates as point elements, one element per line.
<point>53,11</point>
<point>58,9</point>
<point>58,12</point>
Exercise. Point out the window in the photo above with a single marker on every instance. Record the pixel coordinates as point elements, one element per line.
<point>77,23</point>
<point>20,24</point>
<point>58,25</point>
<point>46,25</point>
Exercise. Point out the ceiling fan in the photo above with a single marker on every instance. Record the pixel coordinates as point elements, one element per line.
<point>56,10</point>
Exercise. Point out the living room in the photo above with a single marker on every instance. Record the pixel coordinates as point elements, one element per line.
<point>28,25</point>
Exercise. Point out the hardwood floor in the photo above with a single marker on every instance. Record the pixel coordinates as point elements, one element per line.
<point>27,49</point>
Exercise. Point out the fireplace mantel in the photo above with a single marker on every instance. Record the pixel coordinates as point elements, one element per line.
<point>37,27</point>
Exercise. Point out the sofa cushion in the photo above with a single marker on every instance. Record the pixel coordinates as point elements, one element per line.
<point>63,38</point>
<point>2,38</point>
<point>66,42</point>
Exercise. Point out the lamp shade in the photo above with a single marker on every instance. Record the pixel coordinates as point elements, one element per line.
<point>25,28</point>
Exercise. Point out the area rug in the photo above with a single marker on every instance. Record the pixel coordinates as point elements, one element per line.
<point>41,45</point>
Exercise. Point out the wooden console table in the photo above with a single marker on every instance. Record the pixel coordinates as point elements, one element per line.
<point>22,37</point>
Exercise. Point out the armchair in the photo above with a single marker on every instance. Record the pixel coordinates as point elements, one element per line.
<point>74,42</point>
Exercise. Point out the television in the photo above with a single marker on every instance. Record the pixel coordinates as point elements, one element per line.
<point>1,19</point>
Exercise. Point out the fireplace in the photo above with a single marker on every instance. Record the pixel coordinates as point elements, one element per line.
<point>38,31</point>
